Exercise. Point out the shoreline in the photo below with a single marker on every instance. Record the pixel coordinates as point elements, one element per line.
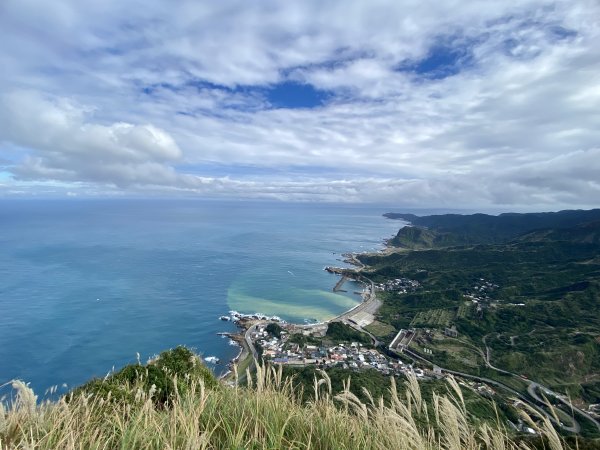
<point>238,338</point>
<point>350,258</point>
<point>233,360</point>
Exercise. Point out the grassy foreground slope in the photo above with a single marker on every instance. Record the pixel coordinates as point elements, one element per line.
<point>174,402</point>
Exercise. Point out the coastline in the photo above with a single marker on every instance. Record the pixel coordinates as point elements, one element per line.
<point>243,358</point>
<point>235,359</point>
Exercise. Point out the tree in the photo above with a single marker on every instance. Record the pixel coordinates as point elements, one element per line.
<point>274,329</point>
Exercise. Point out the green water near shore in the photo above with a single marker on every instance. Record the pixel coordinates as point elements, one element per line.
<point>86,285</point>
<point>292,303</point>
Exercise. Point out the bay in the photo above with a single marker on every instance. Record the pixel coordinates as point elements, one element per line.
<point>85,285</point>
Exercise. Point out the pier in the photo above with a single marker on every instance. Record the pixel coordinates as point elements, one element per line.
<point>339,284</point>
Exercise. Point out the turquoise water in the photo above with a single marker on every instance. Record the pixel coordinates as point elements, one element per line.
<point>85,285</point>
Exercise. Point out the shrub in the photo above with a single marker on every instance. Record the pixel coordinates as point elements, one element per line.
<point>171,372</point>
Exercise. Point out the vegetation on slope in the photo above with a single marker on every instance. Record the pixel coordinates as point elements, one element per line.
<point>487,229</point>
<point>170,373</point>
<point>340,332</point>
<point>414,238</point>
<point>370,383</point>
<point>200,413</point>
<point>541,320</point>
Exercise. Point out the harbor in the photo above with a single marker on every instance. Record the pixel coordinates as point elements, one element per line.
<point>357,317</point>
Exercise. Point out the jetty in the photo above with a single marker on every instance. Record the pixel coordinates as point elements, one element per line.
<point>338,286</point>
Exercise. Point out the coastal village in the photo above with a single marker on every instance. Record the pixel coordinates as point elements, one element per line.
<point>278,342</point>
<point>281,348</point>
<point>292,345</point>
<point>295,346</point>
<point>273,340</point>
<point>402,285</point>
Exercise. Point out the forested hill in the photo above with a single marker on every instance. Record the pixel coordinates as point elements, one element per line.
<point>523,288</point>
<point>456,229</point>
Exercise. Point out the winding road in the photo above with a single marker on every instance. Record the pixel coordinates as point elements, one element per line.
<point>574,429</point>
<point>533,387</point>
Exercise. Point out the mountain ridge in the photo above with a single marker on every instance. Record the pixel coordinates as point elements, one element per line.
<point>448,230</point>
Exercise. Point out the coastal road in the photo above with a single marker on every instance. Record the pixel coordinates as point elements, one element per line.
<point>249,342</point>
<point>369,305</point>
<point>248,351</point>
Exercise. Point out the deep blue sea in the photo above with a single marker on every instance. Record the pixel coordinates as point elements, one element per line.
<point>85,285</point>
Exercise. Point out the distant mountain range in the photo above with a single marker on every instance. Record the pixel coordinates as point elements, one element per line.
<point>447,230</point>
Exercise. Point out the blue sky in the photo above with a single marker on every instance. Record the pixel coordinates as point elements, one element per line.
<point>434,104</point>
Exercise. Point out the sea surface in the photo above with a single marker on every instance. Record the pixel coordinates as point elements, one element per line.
<point>87,285</point>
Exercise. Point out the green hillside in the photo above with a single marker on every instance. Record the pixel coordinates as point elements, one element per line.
<point>588,232</point>
<point>534,300</point>
<point>415,238</point>
<point>456,229</point>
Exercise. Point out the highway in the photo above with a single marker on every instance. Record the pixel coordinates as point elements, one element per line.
<point>576,428</point>
<point>531,390</point>
<point>248,350</point>
<point>533,387</point>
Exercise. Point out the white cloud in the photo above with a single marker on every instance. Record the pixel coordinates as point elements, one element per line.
<point>69,147</point>
<point>516,125</point>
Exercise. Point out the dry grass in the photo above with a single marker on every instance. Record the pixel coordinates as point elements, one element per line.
<point>266,415</point>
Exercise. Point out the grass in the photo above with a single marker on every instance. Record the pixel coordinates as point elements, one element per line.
<point>433,317</point>
<point>243,364</point>
<point>465,310</point>
<point>338,332</point>
<point>380,329</point>
<point>197,412</point>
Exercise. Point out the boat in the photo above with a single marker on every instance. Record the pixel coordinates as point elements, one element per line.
<point>212,359</point>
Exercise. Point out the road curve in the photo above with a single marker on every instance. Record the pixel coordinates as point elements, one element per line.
<point>533,386</point>
<point>576,428</point>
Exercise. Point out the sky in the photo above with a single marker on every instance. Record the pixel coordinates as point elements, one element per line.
<point>450,103</point>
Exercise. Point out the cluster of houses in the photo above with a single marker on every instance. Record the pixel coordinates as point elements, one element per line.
<point>352,355</point>
<point>481,388</point>
<point>402,285</point>
<point>480,291</point>
<point>479,295</point>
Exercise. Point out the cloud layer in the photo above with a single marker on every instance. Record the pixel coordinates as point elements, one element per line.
<point>453,104</point>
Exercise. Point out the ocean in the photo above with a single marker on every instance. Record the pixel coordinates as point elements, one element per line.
<point>86,285</point>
